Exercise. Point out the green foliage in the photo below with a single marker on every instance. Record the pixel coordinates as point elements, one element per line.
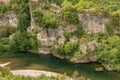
<point>20,6</point>
<point>68,13</point>
<point>66,3</point>
<point>3,8</point>
<point>109,52</point>
<point>20,42</point>
<point>23,22</point>
<point>80,31</point>
<point>4,40</point>
<point>34,43</point>
<point>70,17</point>
<point>80,5</point>
<point>109,29</point>
<point>4,48</point>
<point>116,19</point>
<point>69,48</point>
<point>6,30</point>
<point>47,6</point>
<point>38,15</point>
<point>58,2</point>
<point>67,35</point>
<point>49,20</point>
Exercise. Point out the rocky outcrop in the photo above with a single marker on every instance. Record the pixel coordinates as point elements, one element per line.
<point>9,18</point>
<point>92,23</point>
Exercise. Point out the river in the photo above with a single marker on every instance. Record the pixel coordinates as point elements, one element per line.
<point>50,63</point>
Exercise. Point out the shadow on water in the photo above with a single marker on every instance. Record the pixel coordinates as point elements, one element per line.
<point>50,63</point>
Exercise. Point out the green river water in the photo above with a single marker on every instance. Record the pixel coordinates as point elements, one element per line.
<point>50,63</point>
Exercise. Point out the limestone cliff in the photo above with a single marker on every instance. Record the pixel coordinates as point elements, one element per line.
<point>9,18</point>
<point>55,36</point>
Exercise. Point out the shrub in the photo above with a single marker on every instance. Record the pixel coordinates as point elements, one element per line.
<point>38,15</point>
<point>109,52</point>
<point>4,48</point>
<point>67,35</point>
<point>46,6</point>
<point>24,22</point>
<point>69,48</point>
<point>79,32</point>
<point>20,42</point>
<point>49,20</point>
<point>70,17</point>
<point>6,30</point>
<point>3,8</point>
<point>4,40</point>
<point>109,29</point>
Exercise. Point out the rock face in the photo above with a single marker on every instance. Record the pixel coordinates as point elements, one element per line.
<point>92,23</point>
<point>9,18</point>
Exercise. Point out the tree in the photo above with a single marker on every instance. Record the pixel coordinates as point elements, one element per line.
<point>23,22</point>
<point>109,29</point>
<point>67,48</point>
<point>49,20</point>
<point>109,52</point>
<point>3,8</point>
<point>34,43</point>
<point>2,48</point>
<point>20,42</point>
<point>80,5</point>
<point>38,16</point>
<point>69,13</point>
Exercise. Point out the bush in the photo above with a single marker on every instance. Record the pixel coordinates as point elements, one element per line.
<point>4,48</point>
<point>70,17</point>
<point>4,40</point>
<point>69,48</point>
<point>3,8</point>
<point>49,20</point>
<point>20,42</point>
<point>67,35</point>
<point>109,52</point>
<point>34,43</point>
<point>79,32</point>
<point>109,29</point>
<point>24,22</point>
<point>38,15</point>
<point>47,6</point>
<point>69,13</point>
<point>6,30</point>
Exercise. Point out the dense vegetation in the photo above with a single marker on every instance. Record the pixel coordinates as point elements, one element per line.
<point>109,52</point>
